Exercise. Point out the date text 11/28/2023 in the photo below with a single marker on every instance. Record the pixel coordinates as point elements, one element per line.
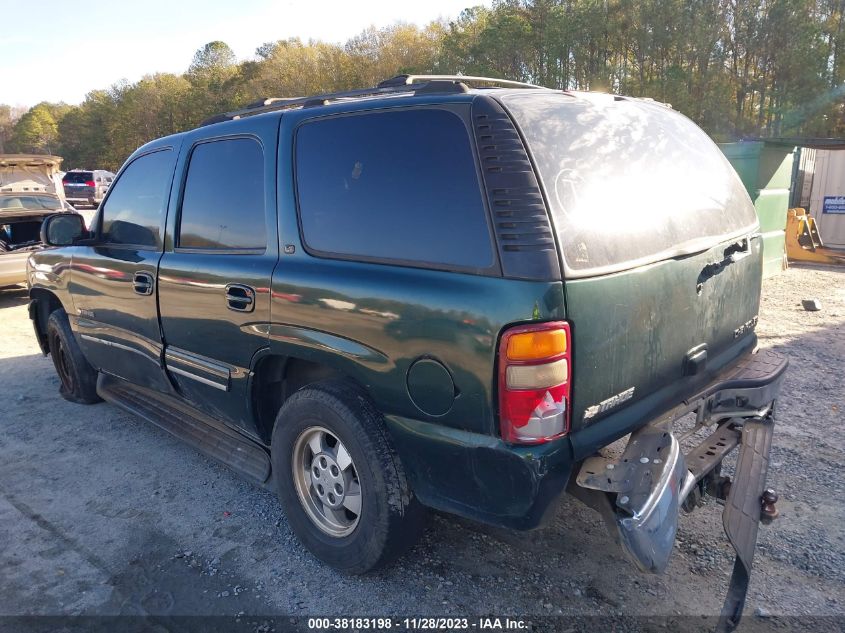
<point>417,624</point>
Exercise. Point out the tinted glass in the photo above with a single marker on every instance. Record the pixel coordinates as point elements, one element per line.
<point>77,177</point>
<point>135,207</point>
<point>629,181</point>
<point>223,204</point>
<point>392,185</point>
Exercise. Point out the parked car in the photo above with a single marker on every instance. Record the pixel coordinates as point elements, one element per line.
<point>427,295</point>
<point>84,186</point>
<point>29,192</point>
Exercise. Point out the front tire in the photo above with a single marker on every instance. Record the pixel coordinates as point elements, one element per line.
<point>78,379</point>
<point>340,481</point>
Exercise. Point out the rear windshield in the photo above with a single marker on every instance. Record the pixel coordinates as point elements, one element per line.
<point>628,182</point>
<point>77,177</point>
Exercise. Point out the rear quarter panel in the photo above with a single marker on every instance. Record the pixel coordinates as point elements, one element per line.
<point>372,322</point>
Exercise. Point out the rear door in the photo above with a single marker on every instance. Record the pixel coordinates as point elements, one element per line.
<point>214,278</point>
<point>658,238</point>
<point>113,281</point>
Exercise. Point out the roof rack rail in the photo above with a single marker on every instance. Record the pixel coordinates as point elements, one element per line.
<point>418,84</point>
<point>407,80</point>
<point>270,101</point>
<point>273,104</point>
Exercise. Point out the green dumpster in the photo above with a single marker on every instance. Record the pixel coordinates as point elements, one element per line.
<point>766,171</point>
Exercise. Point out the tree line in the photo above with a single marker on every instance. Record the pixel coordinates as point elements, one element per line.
<point>738,68</point>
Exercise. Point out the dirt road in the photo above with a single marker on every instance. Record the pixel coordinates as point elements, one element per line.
<point>102,513</point>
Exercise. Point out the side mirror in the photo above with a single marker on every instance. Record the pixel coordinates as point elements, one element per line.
<point>62,229</point>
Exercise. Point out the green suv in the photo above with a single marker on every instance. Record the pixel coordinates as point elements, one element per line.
<point>430,295</point>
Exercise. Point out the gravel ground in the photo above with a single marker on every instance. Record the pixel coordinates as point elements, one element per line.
<point>102,513</point>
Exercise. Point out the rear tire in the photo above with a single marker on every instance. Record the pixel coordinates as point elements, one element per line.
<point>78,379</point>
<point>340,481</point>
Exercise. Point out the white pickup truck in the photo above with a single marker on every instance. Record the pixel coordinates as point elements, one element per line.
<point>30,190</point>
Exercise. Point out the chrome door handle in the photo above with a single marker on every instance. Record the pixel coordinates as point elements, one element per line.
<point>143,283</point>
<point>240,298</point>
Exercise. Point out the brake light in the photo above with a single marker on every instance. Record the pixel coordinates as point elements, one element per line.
<point>89,183</point>
<point>534,382</point>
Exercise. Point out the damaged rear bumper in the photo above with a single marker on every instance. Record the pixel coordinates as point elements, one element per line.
<point>641,492</point>
<point>644,487</point>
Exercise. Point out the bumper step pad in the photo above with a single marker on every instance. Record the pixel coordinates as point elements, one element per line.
<point>741,517</point>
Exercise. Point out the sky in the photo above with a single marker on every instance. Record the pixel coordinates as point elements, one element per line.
<point>59,50</point>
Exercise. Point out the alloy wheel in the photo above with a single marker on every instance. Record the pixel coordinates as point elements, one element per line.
<point>326,481</point>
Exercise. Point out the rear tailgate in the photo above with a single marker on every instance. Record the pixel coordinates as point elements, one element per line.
<point>79,185</point>
<point>658,239</point>
<point>647,336</point>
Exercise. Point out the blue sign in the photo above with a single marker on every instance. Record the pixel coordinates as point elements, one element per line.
<point>833,204</point>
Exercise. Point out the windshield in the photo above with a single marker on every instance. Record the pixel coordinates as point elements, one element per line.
<point>628,181</point>
<point>29,202</point>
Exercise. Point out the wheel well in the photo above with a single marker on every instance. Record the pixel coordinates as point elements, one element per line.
<point>45,304</point>
<point>276,379</point>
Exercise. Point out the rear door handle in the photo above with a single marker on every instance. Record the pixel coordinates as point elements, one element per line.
<point>240,298</point>
<point>143,283</point>
<point>735,252</point>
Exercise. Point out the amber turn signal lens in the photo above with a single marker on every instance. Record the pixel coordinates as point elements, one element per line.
<point>536,345</point>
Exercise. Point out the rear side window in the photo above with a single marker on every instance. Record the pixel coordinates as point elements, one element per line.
<point>399,185</point>
<point>223,203</point>
<point>628,182</point>
<point>77,177</point>
<point>134,210</point>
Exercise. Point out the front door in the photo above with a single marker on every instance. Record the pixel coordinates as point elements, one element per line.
<point>113,280</point>
<point>215,273</point>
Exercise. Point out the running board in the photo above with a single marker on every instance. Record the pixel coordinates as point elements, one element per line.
<point>206,434</point>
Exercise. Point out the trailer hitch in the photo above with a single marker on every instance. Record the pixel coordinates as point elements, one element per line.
<point>769,511</point>
<point>639,495</point>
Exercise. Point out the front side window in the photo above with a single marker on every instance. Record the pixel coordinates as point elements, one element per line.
<point>134,210</point>
<point>223,203</point>
<point>394,185</point>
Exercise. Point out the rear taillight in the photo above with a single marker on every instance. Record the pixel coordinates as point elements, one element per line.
<point>534,380</point>
<point>89,183</point>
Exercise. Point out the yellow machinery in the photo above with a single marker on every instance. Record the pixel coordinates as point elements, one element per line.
<point>803,242</point>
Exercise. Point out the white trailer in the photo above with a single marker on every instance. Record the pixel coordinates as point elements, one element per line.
<point>827,195</point>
